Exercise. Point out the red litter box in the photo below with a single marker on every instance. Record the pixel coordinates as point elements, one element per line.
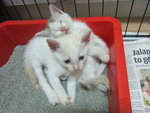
<point>13,33</point>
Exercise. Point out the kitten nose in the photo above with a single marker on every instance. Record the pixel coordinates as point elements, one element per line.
<point>76,68</point>
<point>64,29</point>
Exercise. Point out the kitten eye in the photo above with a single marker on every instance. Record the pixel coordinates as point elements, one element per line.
<point>67,61</point>
<point>81,57</point>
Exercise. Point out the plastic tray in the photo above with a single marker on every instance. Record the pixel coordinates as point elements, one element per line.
<point>13,33</point>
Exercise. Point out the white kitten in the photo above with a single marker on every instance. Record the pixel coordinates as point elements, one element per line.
<point>58,25</point>
<point>87,77</point>
<point>90,76</point>
<point>98,46</point>
<point>59,57</point>
<point>61,24</point>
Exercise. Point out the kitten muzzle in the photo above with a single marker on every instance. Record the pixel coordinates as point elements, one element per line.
<point>76,68</point>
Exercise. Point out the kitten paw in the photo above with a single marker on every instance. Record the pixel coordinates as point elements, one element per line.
<point>65,100</point>
<point>53,99</point>
<point>104,86</point>
<point>105,58</point>
<point>100,53</point>
<point>71,101</point>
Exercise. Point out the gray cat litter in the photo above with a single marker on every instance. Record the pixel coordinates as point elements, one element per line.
<point>18,96</point>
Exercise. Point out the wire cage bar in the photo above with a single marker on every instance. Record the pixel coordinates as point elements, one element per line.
<point>38,9</point>
<point>101,9</point>
<point>61,3</point>
<point>116,8</point>
<point>27,9</point>
<point>16,10</point>
<point>129,17</point>
<point>75,6</point>
<point>142,18</point>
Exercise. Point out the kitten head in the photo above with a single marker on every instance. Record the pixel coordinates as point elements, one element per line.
<point>60,22</point>
<point>71,51</point>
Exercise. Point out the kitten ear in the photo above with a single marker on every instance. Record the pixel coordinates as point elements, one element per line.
<point>54,10</point>
<point>86,38</point>
<point>53,44</point>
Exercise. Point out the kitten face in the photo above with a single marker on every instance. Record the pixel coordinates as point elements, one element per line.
<point>60,23</point>
<point>75,58</point>
<point>71,52</point>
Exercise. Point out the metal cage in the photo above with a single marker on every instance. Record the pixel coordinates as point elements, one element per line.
<point>134,10</point>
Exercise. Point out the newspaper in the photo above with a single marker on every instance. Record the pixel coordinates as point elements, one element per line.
<point>138,67</point>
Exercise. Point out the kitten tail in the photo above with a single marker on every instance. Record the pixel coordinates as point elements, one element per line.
<point>100,82</point>
<point>29,71</point>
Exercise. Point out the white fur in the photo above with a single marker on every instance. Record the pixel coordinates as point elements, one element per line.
<point>88,77</point>
<point>87,70</point>
<point>58,25</point>
<point>38,53</point>
<point>92,69</point>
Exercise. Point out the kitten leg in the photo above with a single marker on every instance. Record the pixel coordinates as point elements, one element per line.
<point>99,52</point>
<point>88,73</point>
<point>51,95</point>
<point>29,71</point>
<point>58,88</point>
<point>101,68</point>
<point>71,88</point>
<point>90,68</point>
<point>91,75</point>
